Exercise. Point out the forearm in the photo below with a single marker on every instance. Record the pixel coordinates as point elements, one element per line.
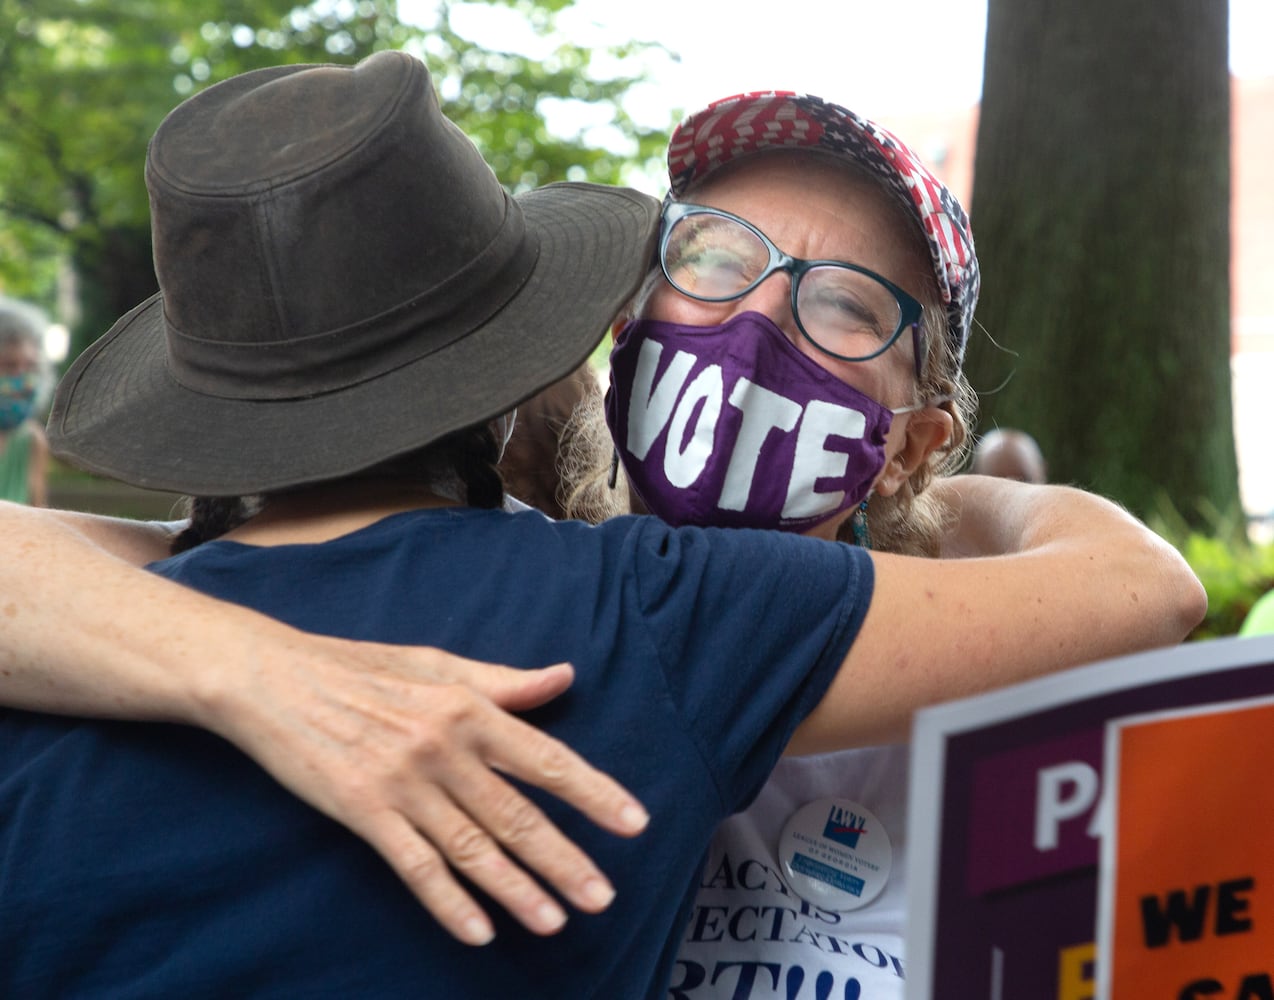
<point>82,629</point>
<point>134,542</point>
<point>1087,559</point>
<point>1073,579</point>
<point>407,746</point>
<point>1096,558</point>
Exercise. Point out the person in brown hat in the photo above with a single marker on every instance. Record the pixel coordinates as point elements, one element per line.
<point>190,864</point>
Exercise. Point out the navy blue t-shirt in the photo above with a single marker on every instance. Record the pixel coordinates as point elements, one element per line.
<point>150,860</point>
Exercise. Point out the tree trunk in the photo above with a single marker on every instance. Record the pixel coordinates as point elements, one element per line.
<point>1101,214</point>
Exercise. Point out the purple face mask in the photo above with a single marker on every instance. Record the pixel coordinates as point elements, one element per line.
<point>732,425</point>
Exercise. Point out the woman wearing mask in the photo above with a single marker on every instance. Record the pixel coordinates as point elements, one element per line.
<point>898,423</point>
<point>794,364</point>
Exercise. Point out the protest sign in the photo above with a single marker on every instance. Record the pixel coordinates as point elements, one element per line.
<point>1005,821</point>
<point>1186,906</point>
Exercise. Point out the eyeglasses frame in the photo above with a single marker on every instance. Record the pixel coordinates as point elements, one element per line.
<point>909,309</point>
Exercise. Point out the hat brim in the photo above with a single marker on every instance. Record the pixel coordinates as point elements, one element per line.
<point>119,412</point>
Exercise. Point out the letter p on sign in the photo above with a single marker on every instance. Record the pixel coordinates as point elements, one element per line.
<point>1062,792</point>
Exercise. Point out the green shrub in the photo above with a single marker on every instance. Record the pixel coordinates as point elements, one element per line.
<point>1234,571</point>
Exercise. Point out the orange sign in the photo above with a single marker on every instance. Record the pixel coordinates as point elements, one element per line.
<point>1189,906</point>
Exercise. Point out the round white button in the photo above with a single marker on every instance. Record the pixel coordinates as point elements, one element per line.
<point>835,854</point>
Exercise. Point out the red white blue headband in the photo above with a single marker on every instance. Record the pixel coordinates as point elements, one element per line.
<point>746,123</point>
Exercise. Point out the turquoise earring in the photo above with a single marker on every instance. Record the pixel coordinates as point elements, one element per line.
<point>858,524</point>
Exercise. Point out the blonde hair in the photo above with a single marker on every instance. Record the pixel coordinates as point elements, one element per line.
<point>586,460</point>
<point>912,521</point>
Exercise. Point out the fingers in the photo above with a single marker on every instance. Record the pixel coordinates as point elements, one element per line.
<point>489,803</point>
<point>452,809</point>
<point>526,753</point>
<point>401,749</point>
<point>427,876</point>
<point>409,847</point>
<point>469,843</point>
<point>492,814</point>
<point>509,687</point>
<point>518,690</point>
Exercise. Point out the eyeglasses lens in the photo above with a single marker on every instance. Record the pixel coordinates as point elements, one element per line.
<point>846,312</point>
<point>713,257</point>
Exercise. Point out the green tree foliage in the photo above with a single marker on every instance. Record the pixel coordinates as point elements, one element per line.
<point>1101,210</point>
<point>84,83</point>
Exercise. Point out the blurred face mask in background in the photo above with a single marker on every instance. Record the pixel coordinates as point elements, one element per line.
<point>17,399</point>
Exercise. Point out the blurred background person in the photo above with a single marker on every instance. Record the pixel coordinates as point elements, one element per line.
<point>25,378</point>
<point>1009,454</point>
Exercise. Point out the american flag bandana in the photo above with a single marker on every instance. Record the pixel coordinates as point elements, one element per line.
<point>739,125</point>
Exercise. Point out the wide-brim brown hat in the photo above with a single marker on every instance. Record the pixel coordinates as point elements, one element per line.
<point>342,279</point>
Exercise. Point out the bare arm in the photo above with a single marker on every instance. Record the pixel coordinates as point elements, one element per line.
<point>404,740</point>
<point>1052,578</point>
<point>134,542</point>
